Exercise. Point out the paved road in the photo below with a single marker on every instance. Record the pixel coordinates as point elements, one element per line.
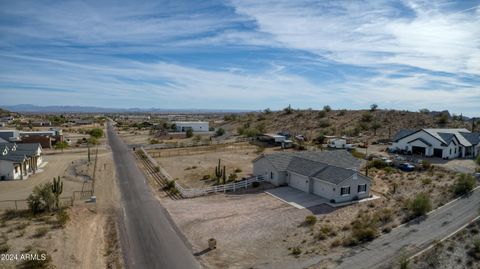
<point>439,224</point>
<point>148,236</point>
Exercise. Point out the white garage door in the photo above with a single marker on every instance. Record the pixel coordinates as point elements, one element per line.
<point>298,182</point>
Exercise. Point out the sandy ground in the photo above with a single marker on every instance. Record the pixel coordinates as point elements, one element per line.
<point>136,137</point>
<point>89,238</point>
<point>190,169</point>
<point>249,228</point>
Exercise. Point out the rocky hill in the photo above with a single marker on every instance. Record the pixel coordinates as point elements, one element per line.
<point>360,125</point>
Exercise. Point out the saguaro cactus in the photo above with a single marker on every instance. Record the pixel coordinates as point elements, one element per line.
<point>224,175</point>
<point>57,189</point>
<point>218,171</point>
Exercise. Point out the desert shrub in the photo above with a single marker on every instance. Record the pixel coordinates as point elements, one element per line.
<point>336,243</point>
<point>464,184</point>
<point>296,251</point>
<point>364,228</point>
<point>189,133</point>
<point>389,170</point>
<point>157,169</point>
<point>41,199</point>
<point>384,215</point>
<point>238,170</point>
<point>232,177</point>
<point>323,123</point>
<point>366,117</point>
<point>327,108</point>
<point>474,252</point>
<point>22,226</point>
<point>342,112</point>
<point>9,214</point>
<point>419,206</point>
<point>426,181</point>
<point>426,164</point>
<point>310,220</point>
<point>478,160</point>
<point>154,141</point>
<point>62,218</point>
<point>4,247</point>
<point>387,229</point>
<point>321,114</point>
<point>404,262</point>
<point>40,232</point>
<point>379,164</point>
<point>357,154</point>
<point>206,177</point>
<point>220,132</point>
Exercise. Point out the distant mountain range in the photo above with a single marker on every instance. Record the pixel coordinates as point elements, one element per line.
<point>28,108</point>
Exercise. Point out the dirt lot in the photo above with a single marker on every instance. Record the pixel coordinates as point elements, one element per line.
<point>192,164</point>
<point>89,239</point>
<point>135,136</point>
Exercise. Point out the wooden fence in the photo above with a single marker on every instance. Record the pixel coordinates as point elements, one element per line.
<point>201,150</point>
<point>189,144</point>
<point>63,201</point>
<point>194,192</point>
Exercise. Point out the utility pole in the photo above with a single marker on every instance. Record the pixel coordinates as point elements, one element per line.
<point>366,157</point>
<point>94,170</point>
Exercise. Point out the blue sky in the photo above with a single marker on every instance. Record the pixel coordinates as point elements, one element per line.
<point>242,54</point>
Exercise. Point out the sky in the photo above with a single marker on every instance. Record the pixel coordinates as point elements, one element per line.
<point>242,54</point>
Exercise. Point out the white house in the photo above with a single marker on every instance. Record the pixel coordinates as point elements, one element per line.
<point>441,143</point>
<point>196,126</point>
<point>18,161</point>
<point>330,174</point>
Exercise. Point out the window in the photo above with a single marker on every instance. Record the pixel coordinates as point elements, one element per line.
<point>345,191</point>
<point>450,151</point>
<point>16,169</point>
<point>362,188</point>
<point>271,175</point>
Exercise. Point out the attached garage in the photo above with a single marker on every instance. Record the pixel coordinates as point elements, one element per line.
<point>438,153</point>
<point>298,182</point>
<point>418,150</point>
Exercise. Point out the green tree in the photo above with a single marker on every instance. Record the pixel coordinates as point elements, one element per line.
<point>220,132</point>
<point>189,133</point>
<point>267,111</point>
<point>61,145</point>
<point>373,107</point>
<point>420,205</point>
<point>320,139</point>
<point>327,108</point>
<point>92,141</point>
<point>464,184</point>
<point>96,132</point>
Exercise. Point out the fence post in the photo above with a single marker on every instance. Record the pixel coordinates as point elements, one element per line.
<point>16,208</point>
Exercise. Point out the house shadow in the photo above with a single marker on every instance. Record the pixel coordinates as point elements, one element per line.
<point>321,209</point>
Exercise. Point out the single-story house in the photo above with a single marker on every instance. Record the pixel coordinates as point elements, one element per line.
<point>18,161</point>
<point>333,175</point>
<point>441,143</point>
<point>46,138</point>
<point>196,126</point>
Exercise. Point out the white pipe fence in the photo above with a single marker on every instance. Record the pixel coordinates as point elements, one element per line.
<point>194,192</point>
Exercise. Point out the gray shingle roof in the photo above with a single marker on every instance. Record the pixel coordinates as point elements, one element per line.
<point>331,166</point>
<point>421,139</point>
<point>403,133</point>
<point>340,158</point>
<point>473,138</point>
<point>447,137</point>
<point>334,174</point>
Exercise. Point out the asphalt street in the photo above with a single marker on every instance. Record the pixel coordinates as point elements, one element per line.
<point>148,236</point>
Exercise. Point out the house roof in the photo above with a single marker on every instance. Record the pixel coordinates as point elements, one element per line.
<point>339,158</point>
<point>3,140</point>
<point>473,138</point>
<point>18,152</point>
<point>422,140</point>
<point>330,166</point>
<point>445,136</point>
<point>403,133</point>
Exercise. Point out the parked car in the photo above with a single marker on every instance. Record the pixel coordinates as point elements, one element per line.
<point>407,167</point>
<point>387,161</point>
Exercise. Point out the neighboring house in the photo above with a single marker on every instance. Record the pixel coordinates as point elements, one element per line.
<point>41,123</point>
<point>18,161</point>
<point>330,174</point>
<point>46,138</point>
<point>441,143</point>
<point>196,126</point>
<point>10,135</point>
